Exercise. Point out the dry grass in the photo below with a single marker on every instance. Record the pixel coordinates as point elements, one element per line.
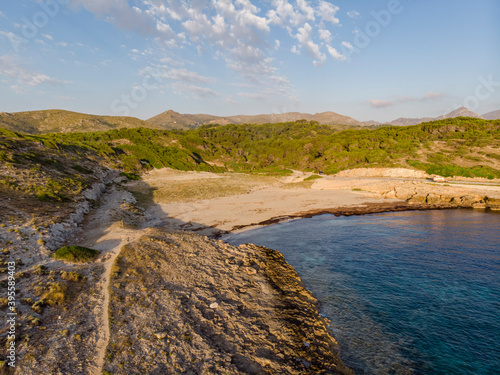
<point>179,190</point>
<point>299,185</point>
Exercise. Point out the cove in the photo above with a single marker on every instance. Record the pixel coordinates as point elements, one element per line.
<point>406,292</point>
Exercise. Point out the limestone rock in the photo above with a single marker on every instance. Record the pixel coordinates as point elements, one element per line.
<point>383,172</point>
<point>417,199</point>
<point>160,335</point>
<point>433,199</point>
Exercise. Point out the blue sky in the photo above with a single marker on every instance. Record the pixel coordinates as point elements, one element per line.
<point>372,60</point>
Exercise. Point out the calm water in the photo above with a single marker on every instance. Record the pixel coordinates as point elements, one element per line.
<point>407,293</point>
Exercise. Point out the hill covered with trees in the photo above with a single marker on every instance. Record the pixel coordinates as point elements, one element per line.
<point>458,146</point>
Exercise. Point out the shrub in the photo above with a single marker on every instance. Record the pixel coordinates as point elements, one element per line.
<point>130,176</point>
<point>72,276</point>
<point>76,254</point>
<point>312,177</point>
<point>40,270</point>
<point>51,197</point>
<point>37,306</point>
<point>55,295</point>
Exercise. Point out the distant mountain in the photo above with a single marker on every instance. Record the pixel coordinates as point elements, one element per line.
<point>175,120</point>
<point>495,115</point>
<point>172,119</point>
<point>460,112</point>
<point>59,121</point>
<point>403,121</point>
<point>330,118</point>
<point>370,123</point>
<point>269,118</point>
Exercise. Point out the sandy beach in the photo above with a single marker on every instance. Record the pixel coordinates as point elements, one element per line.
<point>231,207</point>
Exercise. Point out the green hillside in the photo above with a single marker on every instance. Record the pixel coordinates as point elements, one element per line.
<point>48,121</point>
<point>459,146</point>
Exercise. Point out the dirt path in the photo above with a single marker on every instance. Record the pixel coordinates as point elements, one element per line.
<point>105,231</point>
<point>104,316</point>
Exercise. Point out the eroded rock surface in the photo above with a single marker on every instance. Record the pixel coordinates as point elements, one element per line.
<point>183,303</point>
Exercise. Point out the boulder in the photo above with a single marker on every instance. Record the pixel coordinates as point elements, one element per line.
<point>417,199</point>
<point>492,203</point>
<point>434,199</point>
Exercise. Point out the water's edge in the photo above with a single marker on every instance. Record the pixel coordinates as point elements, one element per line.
<point>349,211</point>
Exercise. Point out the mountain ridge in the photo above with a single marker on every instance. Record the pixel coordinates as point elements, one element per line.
<point>187,121</point>
<point>62,121</point>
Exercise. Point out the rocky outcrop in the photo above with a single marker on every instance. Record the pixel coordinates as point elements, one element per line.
<point>58,233</point>
<point>383,172</point>
<point>462,201</point>
<point>183,303</point>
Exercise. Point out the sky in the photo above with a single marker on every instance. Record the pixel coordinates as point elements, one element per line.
<point>371,60</point>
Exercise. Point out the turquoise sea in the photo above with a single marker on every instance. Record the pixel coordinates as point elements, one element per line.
<point>407,292</point>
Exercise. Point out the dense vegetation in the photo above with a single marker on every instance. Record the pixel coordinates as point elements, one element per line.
<point>451,146</point>
<point>76,254</point>
<point>457,146</point>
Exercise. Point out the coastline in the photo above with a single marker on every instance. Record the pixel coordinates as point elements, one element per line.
<point>235,203</point>
<point>238,204</point>
<point>365,209</point>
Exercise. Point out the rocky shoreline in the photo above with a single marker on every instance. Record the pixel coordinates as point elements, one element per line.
<point>184,303</point>
<point>367,208</point>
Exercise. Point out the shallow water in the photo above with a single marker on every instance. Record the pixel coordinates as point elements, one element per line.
<point>407,292</point>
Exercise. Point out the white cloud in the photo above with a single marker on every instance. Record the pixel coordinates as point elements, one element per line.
<point>3,15</point>
<point>49,37</point>
<point>18,90</point>
<point>428,96</point>
<point>353,14</point>
<point>120,14</point>
<point>327,12</point>
<point>434,95</point>
<point>304,36</point>
<point>12,68</point>
<point>375,103</point>
<point>263,95</point>
<point>196,92</point>
<point>306,9</point>
<point>14,39</point>
<point>347,45</point>
<point>325,35</point>
<point>335,54</point>
<point>185,75</point>
<point>283,13</point>
<point>235,32</point>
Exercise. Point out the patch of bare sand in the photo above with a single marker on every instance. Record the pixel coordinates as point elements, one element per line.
<point>213,208</point>
<point>264,199</point>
